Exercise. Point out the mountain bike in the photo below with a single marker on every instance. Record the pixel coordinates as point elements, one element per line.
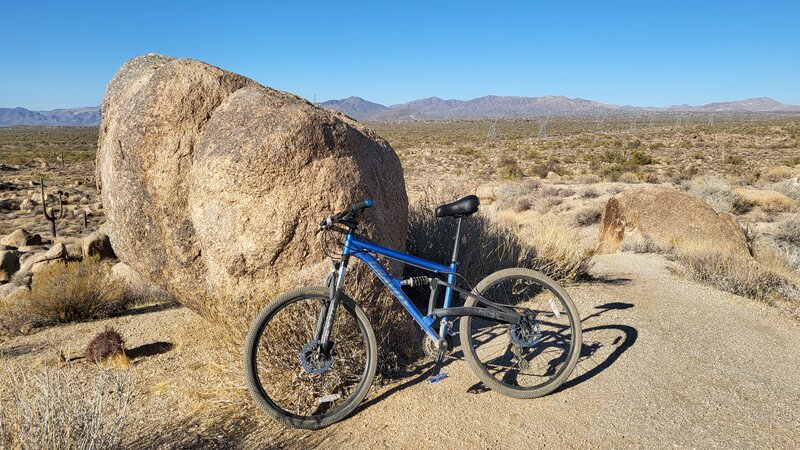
<point>311,354</point>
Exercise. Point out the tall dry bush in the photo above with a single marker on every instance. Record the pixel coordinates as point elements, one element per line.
<point>57,409</point>
<point>72,291</point>
<point>760,279</point>
<point>488,246</point>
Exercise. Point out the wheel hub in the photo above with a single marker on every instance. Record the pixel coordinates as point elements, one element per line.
<point>528,332</point>
<point>313,360</point>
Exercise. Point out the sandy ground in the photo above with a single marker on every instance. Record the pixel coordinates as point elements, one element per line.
<point>666,362</point>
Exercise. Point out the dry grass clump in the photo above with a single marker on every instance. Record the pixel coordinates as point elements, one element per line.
<point>66,292</point>
<point>628,178</point>
<point>56,409</point>
<point>789,188</point>
<point>787,241</point>
<point>558,254</point>
<point>488,246</point>
<point>761,279</point>
<point>718,193</point>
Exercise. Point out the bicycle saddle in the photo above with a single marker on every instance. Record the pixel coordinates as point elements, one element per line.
<point>460,208</point>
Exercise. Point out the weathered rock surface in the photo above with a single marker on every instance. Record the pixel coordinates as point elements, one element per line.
<point>136,287</point>
<point>9,264</point>
<point>768,199</point>
<point>97,244</point>
<point>213,185</point>
<point>669,219</point>
<point>21,238</point>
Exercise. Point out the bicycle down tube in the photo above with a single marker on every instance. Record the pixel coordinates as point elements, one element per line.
<point>361,250</point>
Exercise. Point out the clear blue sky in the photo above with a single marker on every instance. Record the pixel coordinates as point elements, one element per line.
<point>648,53</point>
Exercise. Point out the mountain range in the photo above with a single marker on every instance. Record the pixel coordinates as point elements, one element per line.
<point>10,117</point>
<point>433,108</point>
<point>493,106</point>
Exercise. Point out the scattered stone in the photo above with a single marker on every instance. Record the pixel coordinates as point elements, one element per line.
<point>487,193</point>
<point>57,251</point>
<point>668,219</point>
<point>97,244</point>
<point>552,176</point>
<point>9,204</point>
<point>27,205</point>
<point>19,238</point>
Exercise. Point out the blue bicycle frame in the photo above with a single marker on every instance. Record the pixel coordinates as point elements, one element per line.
<point>364,251</point>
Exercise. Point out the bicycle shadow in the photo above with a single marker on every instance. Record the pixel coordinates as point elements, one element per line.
<point>602,346</point>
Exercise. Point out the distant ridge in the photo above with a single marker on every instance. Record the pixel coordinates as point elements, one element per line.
<point>88,116</point>
<point>493,106</point>
<point>433,108</point>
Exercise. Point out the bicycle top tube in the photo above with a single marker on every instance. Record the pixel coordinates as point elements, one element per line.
<point>354,245</point>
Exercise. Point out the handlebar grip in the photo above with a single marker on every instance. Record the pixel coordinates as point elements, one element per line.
<point>362,204</point>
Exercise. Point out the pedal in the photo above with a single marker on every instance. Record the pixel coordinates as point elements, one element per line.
<point>437,378</point>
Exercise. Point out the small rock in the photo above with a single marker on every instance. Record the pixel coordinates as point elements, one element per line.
<point>20,238</point>
<point>57,251</point>
<point>27,205</point>
<point>98,244</point>
<point>552,176</point>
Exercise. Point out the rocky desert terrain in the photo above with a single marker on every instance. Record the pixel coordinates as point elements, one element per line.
<point>677,235</point>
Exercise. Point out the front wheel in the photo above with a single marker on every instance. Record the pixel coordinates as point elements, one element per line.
<point>292,376</point>
<point>534,357</point>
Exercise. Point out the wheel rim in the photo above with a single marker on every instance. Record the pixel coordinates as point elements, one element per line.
<point>278,363</point>
<point>534,353</point>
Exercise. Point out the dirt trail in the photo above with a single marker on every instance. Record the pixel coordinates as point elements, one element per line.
<point>666,362</point>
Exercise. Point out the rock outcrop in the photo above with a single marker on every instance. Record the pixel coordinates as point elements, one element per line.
<point>668,218</point>
<point>213,185</point>
<point>97,244</point>
<point>20,238</point>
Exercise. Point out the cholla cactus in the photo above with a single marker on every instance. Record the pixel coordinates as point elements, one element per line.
<point>104,345</point>
<point>52,216</point>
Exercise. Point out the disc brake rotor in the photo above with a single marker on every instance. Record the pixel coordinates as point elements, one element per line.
<point>313,361</point>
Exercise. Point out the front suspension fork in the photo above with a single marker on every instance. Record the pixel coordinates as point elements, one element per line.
<point>328,313</point>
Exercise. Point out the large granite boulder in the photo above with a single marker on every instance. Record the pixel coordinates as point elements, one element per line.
<point>213,185</point>
<point>668,219</point>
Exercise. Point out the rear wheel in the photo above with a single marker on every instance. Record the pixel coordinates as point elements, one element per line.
<point>534,357</point>
<point>292,377</point>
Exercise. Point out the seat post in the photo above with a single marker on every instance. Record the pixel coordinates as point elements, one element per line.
<point>454,260</point>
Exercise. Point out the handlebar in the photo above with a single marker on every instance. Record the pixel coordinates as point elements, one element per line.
<point>348,215</point>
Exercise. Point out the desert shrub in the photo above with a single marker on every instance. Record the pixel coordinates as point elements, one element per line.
<point>104,345</point>
<point>637,243</point>
<point>508,169</point>
<point>57,409</point>
<point>543,204</point>
<point>523,204</point>
<point>739,275</point>
<point>718,194</point>
<point>587,216</point>
<point>588,178</point>
<point>72,291</point>
<point>488,246</point>
<point>589,193</point>
<point>628,178</point>
<point>641,158</point>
